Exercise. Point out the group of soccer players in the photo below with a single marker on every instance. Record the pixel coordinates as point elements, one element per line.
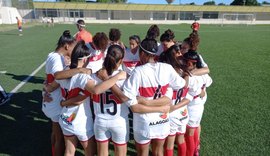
<point>94,83</point>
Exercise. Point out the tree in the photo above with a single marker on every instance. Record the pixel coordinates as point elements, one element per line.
<point>169,1</point>
<point>265,3</point>
<point>245,2</point>
<point>221,4</point>
<point>192,3</point>
<point>209,3</point>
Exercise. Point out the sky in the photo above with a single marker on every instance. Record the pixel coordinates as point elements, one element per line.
<point>198,2</point>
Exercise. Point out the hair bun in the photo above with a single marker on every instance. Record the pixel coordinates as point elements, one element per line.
<point>66,33</point>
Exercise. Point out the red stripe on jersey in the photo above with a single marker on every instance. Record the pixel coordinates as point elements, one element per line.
<point>151,91</point>
<point>110,97</point>
<point>131,63</point>
<point>50,78</point>
<point>184,93</point>
<point>96,58</point>
<point>70,94</point>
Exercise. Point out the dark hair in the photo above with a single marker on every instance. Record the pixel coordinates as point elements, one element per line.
<point>114,34</point>
<point>149,46</point>
<point>135,38</point>
<point>168,56</point>
<point>79,51</point>
<point>114,54</point>
<point>80,21</point>
<point>193,41</point>
<point>194,57</point>
<point>167,36</point>
<point>101,41</point>
<point>66,38</point>
<point>153,32</point>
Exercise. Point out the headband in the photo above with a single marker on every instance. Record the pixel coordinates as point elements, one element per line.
<point>81,25</point>
<point>149,52</point>
<point>84,57</point>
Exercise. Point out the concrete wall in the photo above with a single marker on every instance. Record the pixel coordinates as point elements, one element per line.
<point>9,14</point>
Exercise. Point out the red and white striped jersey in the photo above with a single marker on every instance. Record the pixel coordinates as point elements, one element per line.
<point>130,61</point>
<point>54,63</point>
<point>151,81</point>
<point>96,60</point>
<point>106,104</point>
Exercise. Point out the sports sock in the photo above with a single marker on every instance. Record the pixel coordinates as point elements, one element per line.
<point>190,145</point>
<point>168,152</point>
<point>182,149</point>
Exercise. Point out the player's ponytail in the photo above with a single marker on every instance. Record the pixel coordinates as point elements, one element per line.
<point>194,40</point>
<point>114,54</point>
<point>167,36</point>
<point>66,38</point>
<point>79,52</point>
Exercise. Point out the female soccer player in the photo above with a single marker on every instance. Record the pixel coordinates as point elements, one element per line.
<point>150,80</point>
<point>98,49</point>
<point>132,58</point>
<point>52,109</point>
<point>197,86</point>
<point>179,113</point>
<point>167,40</point>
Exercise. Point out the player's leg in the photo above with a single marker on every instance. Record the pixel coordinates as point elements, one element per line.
<point>102,136</point>
<point>59,144</point>
<point>142,149</point>
<point>103,148</point>
<point>71,143</point>
<point>157,147</point>
<point>120,149</point>
<point>169,145</point>
<point>181,145</point>
<point>197,140</point>
<point>189,138</point>
<point>89,146</point>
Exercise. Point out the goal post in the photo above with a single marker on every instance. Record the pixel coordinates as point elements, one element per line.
<point>245,19</point>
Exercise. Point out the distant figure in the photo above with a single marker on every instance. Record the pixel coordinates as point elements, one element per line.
<point>195,26</point>
<point>52,22</point>
<point>83,34</point>
<point>4,98</point>
<point>19,23</point>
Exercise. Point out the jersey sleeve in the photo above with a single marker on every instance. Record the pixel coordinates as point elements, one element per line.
<point>57,65</point>
<point>131,88</point>
<point>176,81</point>
<point>207,80</point>
<point>81,80</point>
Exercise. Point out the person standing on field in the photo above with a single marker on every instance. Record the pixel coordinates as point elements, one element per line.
<point>19,23</point>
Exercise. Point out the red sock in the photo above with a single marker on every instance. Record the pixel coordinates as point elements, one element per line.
<point>190,145</point>
<point>182,149</point>
<point>196,138</point>
<point>168,152</point>
<point>52,150</point>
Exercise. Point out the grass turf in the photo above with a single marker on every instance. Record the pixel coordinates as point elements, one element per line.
<point>236,118</point>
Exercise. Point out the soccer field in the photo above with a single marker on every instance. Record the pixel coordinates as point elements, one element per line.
<point>236,119</point>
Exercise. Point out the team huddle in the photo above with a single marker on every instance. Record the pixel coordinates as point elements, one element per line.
<point>95,84</point>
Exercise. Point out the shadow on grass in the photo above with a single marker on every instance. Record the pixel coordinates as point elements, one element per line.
<point>33,79</point>
<point>9,34</point>
<point>24,128</point>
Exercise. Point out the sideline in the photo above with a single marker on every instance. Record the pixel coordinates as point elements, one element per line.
<point>26,79</point>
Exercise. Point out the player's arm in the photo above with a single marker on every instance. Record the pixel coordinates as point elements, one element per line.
<point>73,101</point>
<point>105,85</point>
<point>200,71</point>
<point>65,74</point>
<point>51,86</point>
<point>139,108</point>
<point>155,102</point>
<point>180,104</point>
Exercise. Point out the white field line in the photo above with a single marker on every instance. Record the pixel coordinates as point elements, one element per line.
<point>26,80</point>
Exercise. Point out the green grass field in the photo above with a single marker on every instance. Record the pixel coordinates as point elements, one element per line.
<point>236,120</point>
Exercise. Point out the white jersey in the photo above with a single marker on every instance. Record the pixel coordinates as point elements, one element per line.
<point>106,105</point>
<point>203,63</point>
<point>74,119</point>
<point>151,81</point>
<point>96,60</point>
<point>196,84</point>
<point>54,63</point>
<point>160,49</point>
<point>130,61</point>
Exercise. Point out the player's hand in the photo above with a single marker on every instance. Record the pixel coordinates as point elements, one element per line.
<point>67,60</point>
<point>85,71</point>
<point>142,100</point>
<point>122,75</point>
<point>102,74</point>
<point>202,94</point>
<point>165,109</point>
<point>62,103</point>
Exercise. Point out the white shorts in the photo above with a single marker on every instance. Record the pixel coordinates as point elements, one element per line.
<point>140,139</point>
<point>178,121</point>
<point>117,130</point>
<point>82,136</point>
<point>195,114</point>
<point>55,118</point>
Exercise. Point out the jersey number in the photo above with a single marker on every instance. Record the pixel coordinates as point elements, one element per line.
<point>107,100</point>
<point>178,96</point>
